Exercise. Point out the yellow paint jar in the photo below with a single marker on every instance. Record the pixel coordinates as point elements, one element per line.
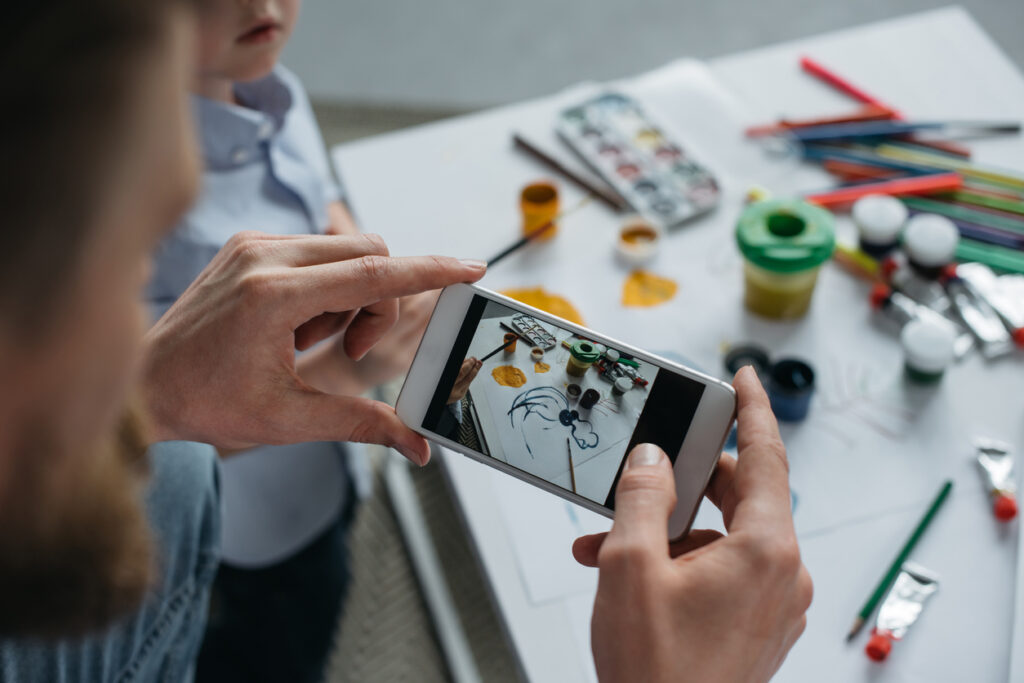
<point>582,355</point>
<point>539,204</point>
<point>784,242</point>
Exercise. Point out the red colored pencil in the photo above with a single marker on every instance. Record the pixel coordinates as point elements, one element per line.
<point>924,184</point>
<point>867,113</point>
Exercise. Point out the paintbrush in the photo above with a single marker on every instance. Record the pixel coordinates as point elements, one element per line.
<point>572,470</point>
<point>609,197</point>
<point>504,346</point>
<point>536,232</point>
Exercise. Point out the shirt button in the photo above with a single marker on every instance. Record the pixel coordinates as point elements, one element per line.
<point>239,155</point>
<point>266,129</point>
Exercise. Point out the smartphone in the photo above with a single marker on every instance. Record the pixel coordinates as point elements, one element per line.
<point>558,405</point>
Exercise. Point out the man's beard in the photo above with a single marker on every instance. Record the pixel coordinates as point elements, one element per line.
<point>75,549</point>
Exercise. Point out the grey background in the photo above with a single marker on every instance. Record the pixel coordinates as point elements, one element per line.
<point>455,55</point>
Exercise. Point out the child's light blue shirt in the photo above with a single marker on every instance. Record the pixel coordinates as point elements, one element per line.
<point>265,168</point>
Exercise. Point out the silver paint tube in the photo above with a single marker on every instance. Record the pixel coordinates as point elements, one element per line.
<point>980,318</point>
<point>995,461</point>
<point>1004,293</point>
<point>900,309</point>
<point>901,608</point>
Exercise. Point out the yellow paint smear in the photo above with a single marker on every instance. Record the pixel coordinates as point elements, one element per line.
<point>647,289</point>
<point>508,376</point>
<point>540,298</point>
<point>541,367</point>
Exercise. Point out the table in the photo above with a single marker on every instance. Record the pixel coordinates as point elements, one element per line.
<point>873,451</point>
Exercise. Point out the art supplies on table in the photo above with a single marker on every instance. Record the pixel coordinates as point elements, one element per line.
<point>902,607</point>
<point>534,233</point>
<point>528,327</point>
<point>638,241</point>
<point>1004,293</point>
<point>539,204</point>
<point>894,569</point>
<point>879,219</point>
<point>634,155</point>
<point>783,242</point>
<point>898,310</point>
<point>979,317</point>
<point>789,382</point>
<point>995,460</point>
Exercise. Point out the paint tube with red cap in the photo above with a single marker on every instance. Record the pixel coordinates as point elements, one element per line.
<point>1004,293</point>
<point>899,309</point>
<point>996,462</point>
<point>901,608</point>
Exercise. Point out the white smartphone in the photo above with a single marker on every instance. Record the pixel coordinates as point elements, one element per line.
<point>557,405</point>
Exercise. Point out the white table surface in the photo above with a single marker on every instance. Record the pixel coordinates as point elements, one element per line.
<point>873,451</point>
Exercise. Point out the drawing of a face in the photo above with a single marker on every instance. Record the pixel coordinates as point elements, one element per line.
<point>545,419</point>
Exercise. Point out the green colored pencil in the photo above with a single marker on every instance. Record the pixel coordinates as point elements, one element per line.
<point>894,568</point>
<point>992,255</point>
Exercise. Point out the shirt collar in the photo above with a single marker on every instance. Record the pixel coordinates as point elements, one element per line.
<point>231,134</point>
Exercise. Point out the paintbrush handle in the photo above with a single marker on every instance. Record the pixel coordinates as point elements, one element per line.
<point>504,346</point>
<point>614,202</point>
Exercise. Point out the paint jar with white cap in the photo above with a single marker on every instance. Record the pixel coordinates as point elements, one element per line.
<point>879,219</point>
<point>929,347</point>
<point>930,242</point>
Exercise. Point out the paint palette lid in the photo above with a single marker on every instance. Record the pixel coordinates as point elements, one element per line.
<point>930,240</point>
<point>929,345</point>
<point>879,218</point>
<point>786,235</point>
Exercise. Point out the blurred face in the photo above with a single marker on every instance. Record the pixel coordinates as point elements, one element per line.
<point>241,40</point>
<point>74,548</point>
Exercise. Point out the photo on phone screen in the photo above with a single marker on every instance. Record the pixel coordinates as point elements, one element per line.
<point>568,417</point>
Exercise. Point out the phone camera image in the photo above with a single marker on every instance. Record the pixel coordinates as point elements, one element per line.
<point>554,404</point>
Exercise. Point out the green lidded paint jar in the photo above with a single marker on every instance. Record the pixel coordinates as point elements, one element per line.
<point>582,355</point>
<point>784,242</point>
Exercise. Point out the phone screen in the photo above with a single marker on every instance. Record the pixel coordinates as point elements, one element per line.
<point>568,413</point>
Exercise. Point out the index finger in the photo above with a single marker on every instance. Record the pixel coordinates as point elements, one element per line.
<point>360,282</point>
<point>760,482</point>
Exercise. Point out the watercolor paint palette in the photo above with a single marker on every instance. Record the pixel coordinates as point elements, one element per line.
<point>658,178</point>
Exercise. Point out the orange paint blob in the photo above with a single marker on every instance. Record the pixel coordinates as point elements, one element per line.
<point>540,298</point>
<point>508,376</point>
<point>644,289</point>
<point>541,367</point>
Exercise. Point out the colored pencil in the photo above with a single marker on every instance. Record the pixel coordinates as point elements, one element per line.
<point>964,213</point>
<point>828,76</point>
<point>867,113</point>
<point>849,170</point>
<point>608,196</point>
<point>894,569</point>
<point>865,155</point>
<point>572,470</point>
<point>879,129</point>
<point>986,200</point>
<point>535,233</point>
<point>843,196</point>
<point>998,258</point>
<point>990,175</point>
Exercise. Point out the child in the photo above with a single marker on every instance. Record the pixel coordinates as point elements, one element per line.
<point>285,510</point>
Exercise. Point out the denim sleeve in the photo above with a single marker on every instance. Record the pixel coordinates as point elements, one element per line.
<point>161,640</point>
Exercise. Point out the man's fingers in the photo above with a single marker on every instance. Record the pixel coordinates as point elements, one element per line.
<point>585,548</point>
<point>320,328</point>
<point>761,479</point>
<point>303,250</point>
<point>360,282</point>
<point>315,416</point>
<point>644,499</point>
<point>369,325</point>
<point>721,491</point>
<point>695,540</point>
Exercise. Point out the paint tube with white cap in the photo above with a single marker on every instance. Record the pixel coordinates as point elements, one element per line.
<point>979,317</point>
<point>901,608</point>
<point>899,309</point>
<point>996,462</point>
<point>1004,293</point>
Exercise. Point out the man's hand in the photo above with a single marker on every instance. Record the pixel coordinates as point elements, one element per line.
<point>467,373</point>
<point>329,368</point>
<point>709,607</point>
<point>220,364</point>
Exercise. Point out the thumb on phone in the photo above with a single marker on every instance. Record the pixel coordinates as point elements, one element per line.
<point>644,499</point>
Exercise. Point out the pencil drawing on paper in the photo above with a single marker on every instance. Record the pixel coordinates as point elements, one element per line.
<point>544,408</point>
